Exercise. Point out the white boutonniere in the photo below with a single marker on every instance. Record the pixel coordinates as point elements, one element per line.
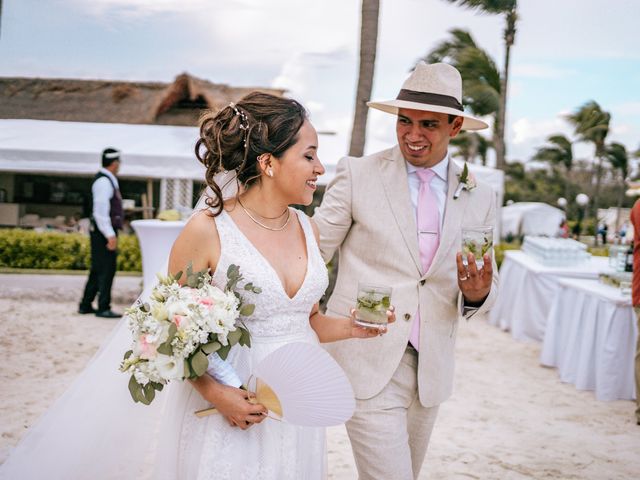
<point>466,182</point>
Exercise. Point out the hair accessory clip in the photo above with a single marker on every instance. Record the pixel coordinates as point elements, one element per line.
<point>244,121</point>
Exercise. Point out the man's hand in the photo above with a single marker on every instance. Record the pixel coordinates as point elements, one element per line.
<point>474,284</point>
<point>358,331</point>
<point>112,243</point>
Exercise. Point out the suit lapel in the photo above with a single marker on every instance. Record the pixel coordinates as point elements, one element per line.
<point>393,174</point>
<point>453,212</point>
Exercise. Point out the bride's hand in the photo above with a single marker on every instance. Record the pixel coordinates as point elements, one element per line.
<point>358,331</point>
<point>235,405</point>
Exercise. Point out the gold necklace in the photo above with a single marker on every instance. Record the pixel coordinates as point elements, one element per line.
<point>257,222</point>
<point>262,216</point>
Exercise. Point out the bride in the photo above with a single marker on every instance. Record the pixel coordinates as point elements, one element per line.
<point>96,431</point>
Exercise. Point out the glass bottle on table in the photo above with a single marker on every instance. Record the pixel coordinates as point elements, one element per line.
<point>628,265</point>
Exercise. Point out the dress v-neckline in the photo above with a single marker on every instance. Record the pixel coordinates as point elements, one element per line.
<point>268,264</point>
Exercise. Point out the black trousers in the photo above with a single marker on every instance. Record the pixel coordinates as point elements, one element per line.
<point>103,269</point>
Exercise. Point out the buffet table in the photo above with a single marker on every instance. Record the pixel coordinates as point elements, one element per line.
<point>527,289</point>
<point>156,238</point>
<point>590,337</point>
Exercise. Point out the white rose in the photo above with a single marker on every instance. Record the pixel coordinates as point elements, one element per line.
<point>169,368</point>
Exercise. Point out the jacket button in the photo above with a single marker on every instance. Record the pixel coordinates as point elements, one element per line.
<point>407,316</point>
<point>422,282</point>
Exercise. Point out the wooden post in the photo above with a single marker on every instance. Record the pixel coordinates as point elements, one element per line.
<point>149,212</point>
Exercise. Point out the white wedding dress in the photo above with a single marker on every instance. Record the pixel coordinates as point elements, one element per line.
<point>96,431</point>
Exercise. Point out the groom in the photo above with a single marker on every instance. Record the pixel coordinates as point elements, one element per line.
<point>396,217</point>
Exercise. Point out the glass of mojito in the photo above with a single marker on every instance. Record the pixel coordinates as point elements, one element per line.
<point>372,304</point>
<point>477,240</point>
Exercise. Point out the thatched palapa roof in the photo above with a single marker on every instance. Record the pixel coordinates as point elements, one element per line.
<point>105,101</point>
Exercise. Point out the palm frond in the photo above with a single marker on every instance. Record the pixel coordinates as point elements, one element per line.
<point>617,156</point>
<point>487,6</point>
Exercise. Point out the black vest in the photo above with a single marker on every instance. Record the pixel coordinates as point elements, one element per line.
<point>115,211</point>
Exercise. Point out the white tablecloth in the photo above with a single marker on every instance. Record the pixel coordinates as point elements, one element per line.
<point>591,338</point>
<point>527,289</point>
<point>156,238</point>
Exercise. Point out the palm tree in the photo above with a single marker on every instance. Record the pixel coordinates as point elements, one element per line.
<point>480,76</point>
<point>471,145</point>
<point>509,9</point>
<point>368,47</point>
<point>591,124</point>
<point>617,155</point>
<point>560,152</point>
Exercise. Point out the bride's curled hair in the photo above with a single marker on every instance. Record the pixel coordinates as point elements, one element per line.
<point>233,138</point>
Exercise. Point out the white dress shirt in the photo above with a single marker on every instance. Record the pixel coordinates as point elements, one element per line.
<point>102,191</point>
<point>439,185</point>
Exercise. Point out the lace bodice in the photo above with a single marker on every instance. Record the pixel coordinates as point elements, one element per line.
<point>276,313</point>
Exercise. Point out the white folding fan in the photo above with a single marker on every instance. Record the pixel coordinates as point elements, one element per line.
<point>301,383</point>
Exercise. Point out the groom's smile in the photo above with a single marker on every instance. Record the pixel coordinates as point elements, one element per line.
<point>424,136</point>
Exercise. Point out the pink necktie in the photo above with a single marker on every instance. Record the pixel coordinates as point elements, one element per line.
<point>428,220</point>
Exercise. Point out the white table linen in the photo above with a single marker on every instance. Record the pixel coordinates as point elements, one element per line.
<point>590,337</point>
<point>156,238</point>
<point>527,289</point>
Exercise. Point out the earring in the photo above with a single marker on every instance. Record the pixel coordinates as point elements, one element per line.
<point>270,172</point>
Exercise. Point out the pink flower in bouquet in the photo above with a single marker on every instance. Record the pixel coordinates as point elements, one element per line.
<point>208,301</point>
<point>148,349</point>
<point>179,320</point>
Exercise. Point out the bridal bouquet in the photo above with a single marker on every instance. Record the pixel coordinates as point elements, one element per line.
<point>180,326</point>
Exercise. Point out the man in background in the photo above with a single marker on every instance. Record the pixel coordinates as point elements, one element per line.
<point>106,219</point>
<point>635,294</point>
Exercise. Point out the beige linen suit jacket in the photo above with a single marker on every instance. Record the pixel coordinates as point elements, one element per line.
<point>366,214</point>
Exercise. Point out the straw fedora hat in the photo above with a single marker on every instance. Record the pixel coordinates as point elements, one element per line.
<point>433,88</point>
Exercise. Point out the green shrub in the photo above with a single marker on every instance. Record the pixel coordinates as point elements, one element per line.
<point>61,251</point>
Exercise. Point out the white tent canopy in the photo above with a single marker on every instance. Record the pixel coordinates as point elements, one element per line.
<point>74,148</point>
<point>147,151</point>
<point>531,218</point>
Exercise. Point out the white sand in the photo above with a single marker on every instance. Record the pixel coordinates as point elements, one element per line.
<point>509,418</point>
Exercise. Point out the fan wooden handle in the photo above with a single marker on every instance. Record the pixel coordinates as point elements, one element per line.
<point>264,395</point>
<point>206,412</point>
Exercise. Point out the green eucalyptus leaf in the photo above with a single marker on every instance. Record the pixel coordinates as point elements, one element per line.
<point>245,338</point>
<point>233,271</point>
<point>127,354</point>
<point>247,309</point>
<point>173,329</point>
<point>188,371</point>
<point>149,392</point>
<point>234,336</point>
<point>199,363</point>
<point>166,348</point>
<point>158,386</point>
<point>133,388</point>
<point>211,347</point>
<point>224,352</point>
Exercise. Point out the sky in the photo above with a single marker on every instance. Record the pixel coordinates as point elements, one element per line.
<point>567,52</point>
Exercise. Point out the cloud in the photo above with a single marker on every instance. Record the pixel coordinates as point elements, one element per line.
<point>139,8</point>
<point>628,108</point>
<point>524,130</point>
<point>533,70</point>
<point>309,76</point>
